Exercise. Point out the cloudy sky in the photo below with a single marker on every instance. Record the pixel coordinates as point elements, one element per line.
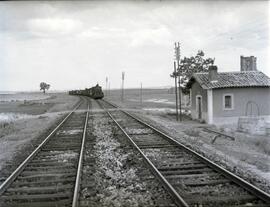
<point>77,44</point>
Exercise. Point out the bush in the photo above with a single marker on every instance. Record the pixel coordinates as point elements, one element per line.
<point>6,128</point>
<point>192,132</point>
<point>264,144</point>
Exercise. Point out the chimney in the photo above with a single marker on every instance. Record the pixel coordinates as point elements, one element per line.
<point>212,73</point>
<point>248,63</point>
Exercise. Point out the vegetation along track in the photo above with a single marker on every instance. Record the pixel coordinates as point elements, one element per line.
<point>50,175</point>
<point>191,179</point>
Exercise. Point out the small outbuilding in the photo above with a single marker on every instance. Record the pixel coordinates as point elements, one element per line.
<point>221,98</point>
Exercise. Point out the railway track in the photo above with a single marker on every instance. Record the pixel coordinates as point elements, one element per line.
<point>50,176</point>
<point>108,167</point>
<point>191,179</point>
<point>60,172</point>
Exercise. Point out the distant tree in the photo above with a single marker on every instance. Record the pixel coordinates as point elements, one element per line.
<point>193,64</point>
<point>44,86</point>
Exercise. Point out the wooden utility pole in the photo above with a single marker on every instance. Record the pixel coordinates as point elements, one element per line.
<point>177,57</point>
<point>123,78</point>
<point>176,94</point>
<point>180,94</point>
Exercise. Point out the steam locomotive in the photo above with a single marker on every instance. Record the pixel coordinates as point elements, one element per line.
<point>94,92</point>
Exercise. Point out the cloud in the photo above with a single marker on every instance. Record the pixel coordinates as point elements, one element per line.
<point>157,36</point>
<point>92,40</point>
<point>136,37</point>
<point>101,33</point>
<point>53,27</point>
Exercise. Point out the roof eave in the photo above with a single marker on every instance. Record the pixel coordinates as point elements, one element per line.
<point>239,87</point>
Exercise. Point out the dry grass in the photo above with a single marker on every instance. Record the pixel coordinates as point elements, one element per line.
<point>6,128</point>
<point>264,144</point>
<point>192,132</point>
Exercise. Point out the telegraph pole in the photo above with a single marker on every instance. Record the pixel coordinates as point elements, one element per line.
<point>180,94</point>
<point>177,57</point>
<point>176,94</point>
<point>123,78</point>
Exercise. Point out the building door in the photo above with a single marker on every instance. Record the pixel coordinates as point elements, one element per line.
<point>199,107</point>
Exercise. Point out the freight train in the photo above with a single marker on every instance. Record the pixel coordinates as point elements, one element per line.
<point>94,92</point>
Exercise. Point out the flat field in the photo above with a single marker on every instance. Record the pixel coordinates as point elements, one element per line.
<point>150,101</point>
<point>247,156</point>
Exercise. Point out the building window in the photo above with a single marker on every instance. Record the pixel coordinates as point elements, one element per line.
<point>227,101</point>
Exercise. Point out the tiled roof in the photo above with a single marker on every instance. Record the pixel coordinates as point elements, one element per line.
<point>233,80</point>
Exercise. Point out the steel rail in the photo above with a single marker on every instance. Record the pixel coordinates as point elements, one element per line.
<point>175,196</point>
<point>231,176</point>
<point>78,177</point>
<point>21,167</point>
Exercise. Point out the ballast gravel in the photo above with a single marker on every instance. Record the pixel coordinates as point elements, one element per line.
<point>113,174</point>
